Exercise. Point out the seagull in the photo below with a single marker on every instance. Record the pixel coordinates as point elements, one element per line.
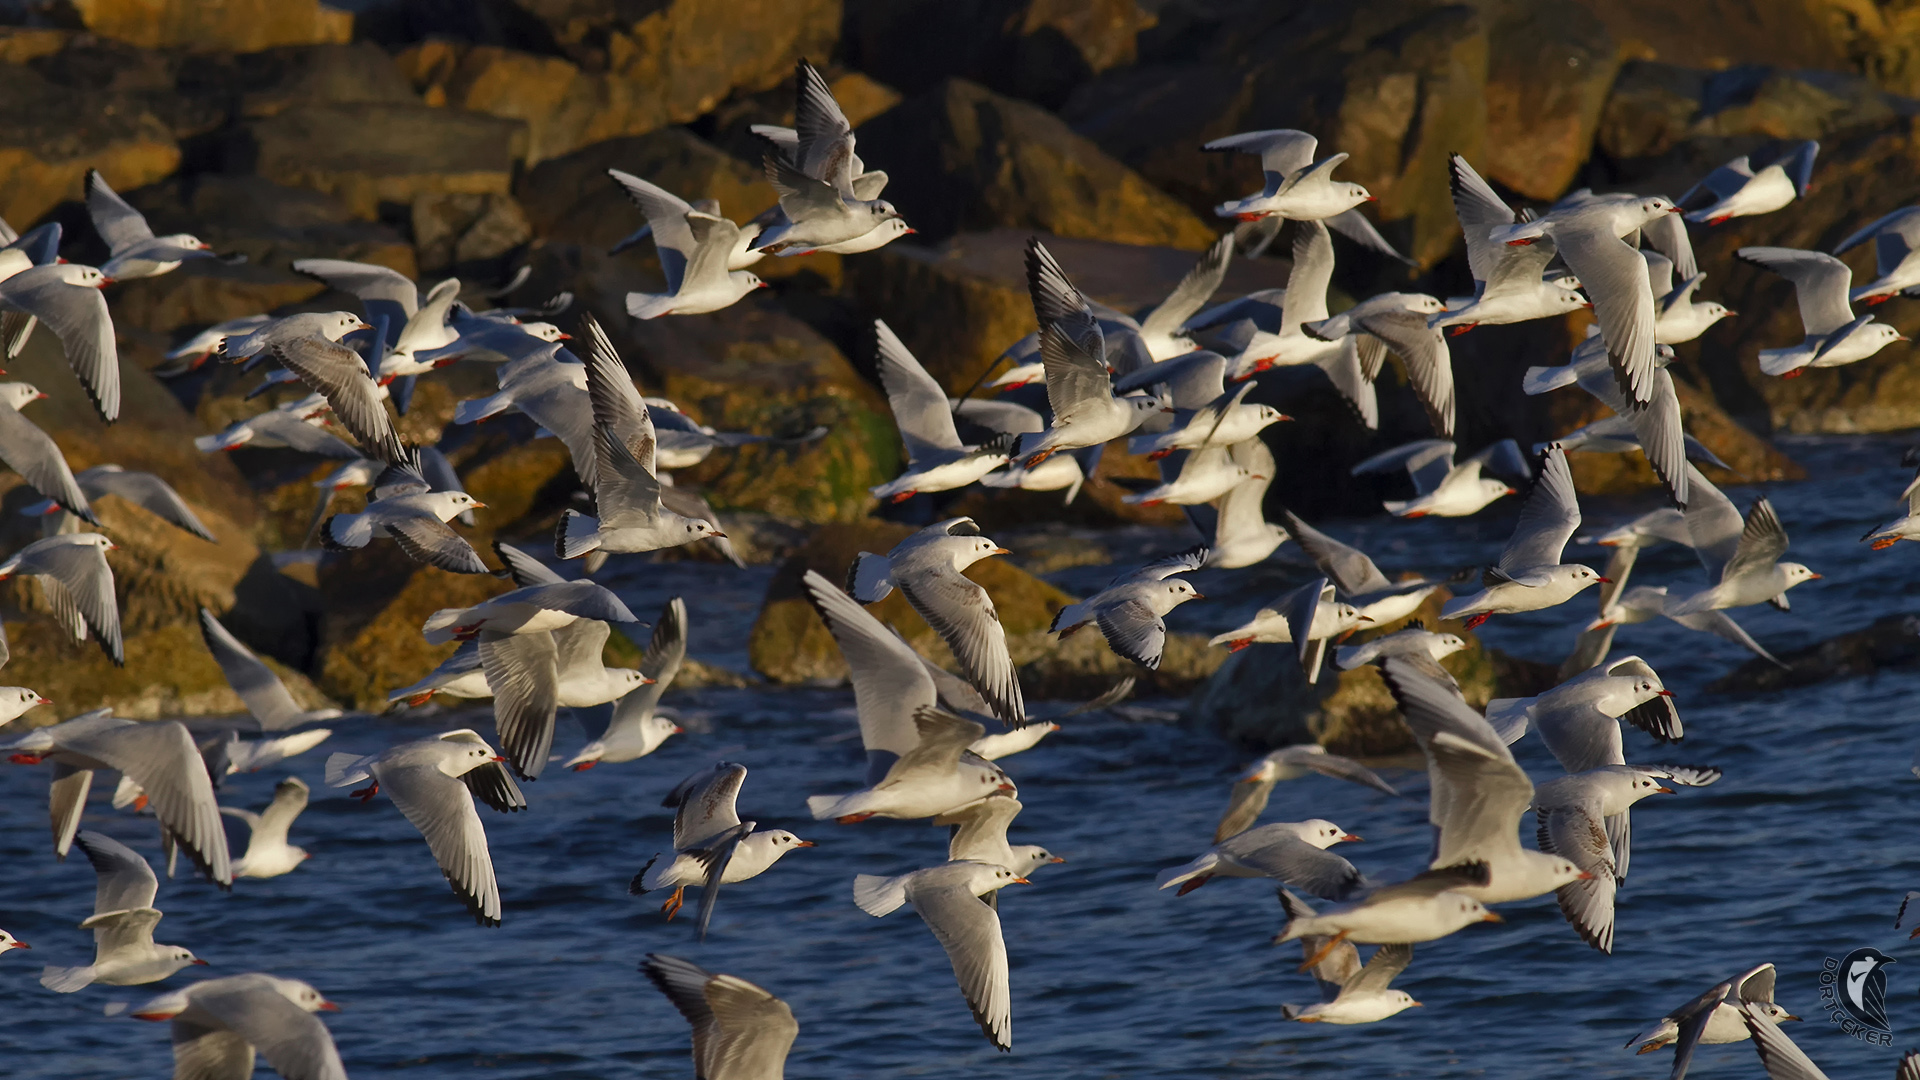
<point>1399,323</point>
<point>625,484</point>
<point>330,326</point>
<point>697,254</point>
<point>124,953</point>
<point>433,782</point>
<point>637,729</point>
<point>529,609</point>
<point>947,898</point>
<point>414,324</point>
<point>260,690</point>
<point>1079,388</point>
<point>1130,609</point>
<point>1200,476</point>
<point>159,756</point>
<point>406,509</point>
<point>936,458</point>
<point>1374,599</point>
<point>339,374</point>
<point>137,253</point>
<point>15,701</point>
<point>1510,283</point>
<point>532,674</point>
<point>1572,812</point>
<point>1834,336</point>
<point>1677,318</point>
<point>1530,575</point>
<point>67,298</point>
<point>1736,190</point>
<point>1577,718</point>
<point>1587,230</point>
<point>190,354</point>
<point>1653,427</point>
<point>268,853</point>
<point>928,569</point>
<point>740,1032</point>
<point>31,452</point>
<point>1478,791</point>
<point>1442,488</point>
<point>1349,992</point>
<point>1742,558</point>
<point>1255,786</point>
<point>1413,641</point>
<point>1423,908</point>
<point>219,1024</point>
<point>277,428</point>
<point>1644,602</point>
<point>1221,423</point>
<point>143,489</point>
<point>1307,617</point>
<point>815,182</point>
<point>930,778</point>
<point>1297,187</point>
<point>1713,1018</point>
<point>712,846</point>
<point>1235,525</point>
<point>1896,264</point>
<point>1293,852</point>
<point>77,580</point>
<point>670,211</point>
<point>1304,305</point>
<point>979,834</point>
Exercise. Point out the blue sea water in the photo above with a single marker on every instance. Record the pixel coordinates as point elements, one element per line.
<point>1802,852</point>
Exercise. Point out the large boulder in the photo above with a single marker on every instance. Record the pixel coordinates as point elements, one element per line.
<point>962,157</point>
<point>368,153</point>
<point>226,25</point>
<point>1034,49</point>
<point>59,132</point>
<point>1548,78</point>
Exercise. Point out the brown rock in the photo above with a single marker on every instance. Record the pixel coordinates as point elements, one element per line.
<point>962,157</point>
<point>570,199</point>
<point>272,225</point>
<point>1548,76</point>
<point>228,25</point>
<point>1034,49</point>
<point>451,229</point>
<point>376,153</point>
<point>58,133</point>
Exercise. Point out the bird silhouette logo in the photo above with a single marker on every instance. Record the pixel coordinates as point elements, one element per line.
<point>1863,987</point>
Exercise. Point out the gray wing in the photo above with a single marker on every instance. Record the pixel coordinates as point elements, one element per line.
<point>1762,541</point>
<point>1056,300</point>
<point>33,454</point>
<point>1428,361</point>
<point>1349,567</point>
<point>1384,966</point>
<point>372,284</point>
<point>1478,792</point>
<point>1578,836</point>
<point>120,225</point>
<point>1300,607</point>
<point>666,213</point>
<point>125,881</point>
<point>1778,1055</point>
<point>1668,235</point>
<point>78,314</point>
<point>920,408</point>
<point>823,138</point>
<point>66,800</point>
<point>427,539</point>
<point>716,237</point>
<point>1479,211</point>
<point>441,807</point>
<point>980,829</point>
<point>338,373</point>
<point>1714,525</point>
<point>202,1053</point>
<point>1548,519</point>
<point>704,804</point>
<point>1281,150</point>
<point>1799,165</point>
<point>962,613</point>
<point>617,405</point>
<point>161,757</point>
<point>1579,736</point>
<point>1820,284</point>
<point>1341,768</point>
<point>1662,439</point>
<point>293,1040</point>
<point>1615,276</point>
<point>264,695</point>
<point>525,569</point>
<point>740,1031</point>
<point>1302,866</point>
<point>666,650</point>
<point>300,435</point>
<point>289,802</point>
<point>1306,300</point>
<point>1002,416</point>
<point>889,682</point>
<point>1196,379</point>
<point>943,737</point>
<point>523,672</point>
<point>1340,961</point>
<point>1427,461</point>
<point>1192,293</point>
<point>150,493</point>
<point>85,588</point>
<point>1076,378</point>
<point>1134,632</point>
<point>801,196</point>
<point>714,859</point>
<point>970,932</point>
<point>626,492</point>
<point>1161,569</point>
<point>1245,804</point>
<point>580,647</point>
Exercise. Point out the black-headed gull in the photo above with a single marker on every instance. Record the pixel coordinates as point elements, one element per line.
<point>1510,282</point>
<point>1297,187</point>
<point>702,254</point>
<point>1253,788</point>
<point>1443,488</point>
<point>433,782</point>
<point>711,845</point>
<point>1423,908</point>
<point>979,834</point>
<point>1896,257</point>
<point>1292,852</point>
<point>815,181</point>
<point>124,952</point>
<point>143,489</point>
<point>1736,189</point>
<point>268,852</point>
<point>936,458</point>
<point>740,1031</point>
<point>1413,641</point>
<point>137,253</point>
<point>947,899</point>
<point>32,453</point>
<point>1379,601</point>
<point>1713,1018</point>
<point>637,727</point>
<point>73,572</point>
<point>67,298</point>
<point>8,943</point>
<point>339,374</point>
<point>1398,323</point>
<point>1308,617</point>
<point>1530,575</point>
<point>219,1024</point>
<point>1741,556</point>
<point>1350,993</point>
<point>405,508</point>
<point>1834,336</point>
<point>1130,610</point>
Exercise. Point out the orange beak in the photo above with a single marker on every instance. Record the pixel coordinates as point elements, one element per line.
<point>804,843</point>
<point>1001,551</point>
<point>328,1006</point>
<point>1349,838</point>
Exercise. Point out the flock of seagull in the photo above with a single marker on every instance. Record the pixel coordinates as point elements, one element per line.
<point>1172,381</point>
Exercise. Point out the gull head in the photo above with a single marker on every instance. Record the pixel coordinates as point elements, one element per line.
<point>1322,833</point>
<point>457,502</point>
<point>1565,300</point>
<point>1445,645</point>
<point>1772,1011</point>
<point>627,679</point>
<point>1711,312</point>
<point>893,228</point>
<point>1145,404</point>
<point>15,395</point>
<point>746,281</point>
<point>1880,335</point>
<point>968,550</point>
<point>881,208</point>
<point>1179,592</point>
<point>338,324</point>
<point>85,277</point>
<point>302,994</point>
<point>1655,206</point>
<point>700,528</point>
<point>187,241</point>
<point>1422,304</point>
<point>178,955</point>
<point>778,841</point>
<point>467,757</point>
<point>1562,871</point>
<point>1270,415</point>
<point>1797,573</point>
<point>1491,489</point>
<point>1355,192</point>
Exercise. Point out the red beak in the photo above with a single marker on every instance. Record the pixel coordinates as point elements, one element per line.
<point>1605,580</point>
<point>328,1006</point>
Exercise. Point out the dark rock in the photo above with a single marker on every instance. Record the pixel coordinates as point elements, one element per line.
<point>56,133</point>
<point>1891,641</point>
<point>230,25</point>
<point>1548,76</point>
<point>961,157</point>
<point>455,229</point>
